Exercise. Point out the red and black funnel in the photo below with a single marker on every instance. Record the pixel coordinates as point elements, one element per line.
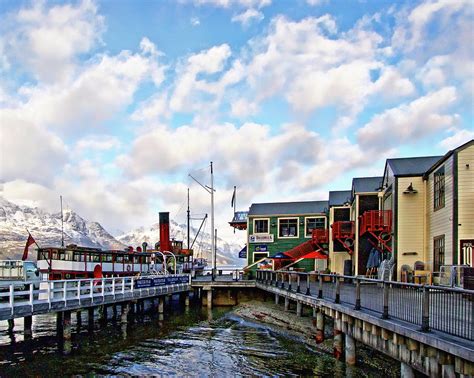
<point>165,232</point>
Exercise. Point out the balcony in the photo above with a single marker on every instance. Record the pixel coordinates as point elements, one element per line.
<point>343,230</point>
<point>376,221</point>
<point>320,236</point>
<point>240,220</point>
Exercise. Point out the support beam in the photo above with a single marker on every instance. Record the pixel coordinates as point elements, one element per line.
<point>299,308</point>
<point>67,332</point>
<point>209,298</point>
<point>350,350</point>
<point>27,323</point>
<point>320,327</point>
<point>406,371</point>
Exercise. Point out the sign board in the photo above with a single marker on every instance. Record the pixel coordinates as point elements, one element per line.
<point>466,249</point>
<point>261,248</point>
<point>145,282</point>
<point>261,238</point>
<point>243,253</point>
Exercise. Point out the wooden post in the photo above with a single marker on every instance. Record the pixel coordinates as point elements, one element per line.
<point>308,278</point>
<point>357,301</point>
<point>338,290</point>
<point>67,332</point>
<point>320,326</point>
<point>277,299</point>
<point>385,301</point>
<point>27,323</point>
<point>406,371</point>
<point>287,304</point>
<point>350,350</point>
<point>59,323</point>
<point>298,282</point>
<point>425,312</point>
<point>161,305</point>
<point>11,324</point>
<point>209,298</point>
<point>320,292</point>
<point>90,317</point>
<point>299,308</point>
<point>78,319</point>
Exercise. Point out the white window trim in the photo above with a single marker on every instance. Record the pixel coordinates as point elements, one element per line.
<point>297,228</point>
<point>261,233</point>
<point>313,217</point>
<point>253,256</point>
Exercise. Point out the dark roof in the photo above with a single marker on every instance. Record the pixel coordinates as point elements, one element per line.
<point>339,197</point>
<point>415,166</point>
<point>288,208</point>
<point>366,184</point>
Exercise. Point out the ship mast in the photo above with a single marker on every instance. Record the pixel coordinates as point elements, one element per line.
<point>62,221</point>
<point>188,218</point>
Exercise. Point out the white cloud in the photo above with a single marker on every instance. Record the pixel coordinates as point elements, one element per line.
<point>458,138</point>
<point>246,17</point>
<point>28,151</point>
<point>195,21</point>
<point>392,85</point>
<point>227,3</point>
<point>47,41</point>
<point>98,143</point>
<point>409,122</point>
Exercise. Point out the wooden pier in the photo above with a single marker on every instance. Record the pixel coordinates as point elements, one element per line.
<point>429,329</point>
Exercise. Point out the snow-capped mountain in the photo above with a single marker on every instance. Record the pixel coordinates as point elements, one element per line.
<point>227,253</point>
<point>46,229</point>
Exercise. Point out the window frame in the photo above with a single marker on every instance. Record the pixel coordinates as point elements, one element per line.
<point>306,219</point>
<point>439,188</point>
<point>261,219</point>
<point>259,253</point>
<point>439,252</point>
<point>297,228</point>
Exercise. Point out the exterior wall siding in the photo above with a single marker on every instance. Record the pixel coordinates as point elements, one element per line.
<point>440,222</point>
<point>336,259</point>
<point>281,244</point>
<point>465,172</point>
<point>411,223</point>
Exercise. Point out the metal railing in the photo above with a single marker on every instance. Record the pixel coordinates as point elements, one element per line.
<point>447,310</point>
<point>82,290</point>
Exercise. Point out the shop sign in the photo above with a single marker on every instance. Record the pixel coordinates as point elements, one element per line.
<point>261,248</point>
<point>261,238</point>
<point>466,247</point>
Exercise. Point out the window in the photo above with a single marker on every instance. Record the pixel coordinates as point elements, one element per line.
<point>314,224</point>
<point>438,252</point>
<point>288,228</point>
<point>259,255</point>
<point>260,226</point>
<point>439,188</point>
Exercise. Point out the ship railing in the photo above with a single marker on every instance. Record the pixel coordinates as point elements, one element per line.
<point>442,309</point>
<point>74,293</point>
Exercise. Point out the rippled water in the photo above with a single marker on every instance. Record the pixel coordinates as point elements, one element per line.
<point>196,342</point>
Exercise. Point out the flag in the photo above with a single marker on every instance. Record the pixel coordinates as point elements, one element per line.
<point>27,245</point>
<point>232,202</point>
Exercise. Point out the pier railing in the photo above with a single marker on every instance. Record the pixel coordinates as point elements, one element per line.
<point>62,293</point>
<point>448,310</point>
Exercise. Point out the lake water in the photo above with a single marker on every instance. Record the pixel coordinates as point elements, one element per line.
<point>194,342</point>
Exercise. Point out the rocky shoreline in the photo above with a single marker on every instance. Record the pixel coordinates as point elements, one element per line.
<point>303,328</point>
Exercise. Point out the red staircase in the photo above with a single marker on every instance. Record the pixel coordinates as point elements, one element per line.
<point>377,223</point>
<point>344,232</point>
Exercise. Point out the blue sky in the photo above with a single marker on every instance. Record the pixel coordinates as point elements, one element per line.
<point>112,103</point>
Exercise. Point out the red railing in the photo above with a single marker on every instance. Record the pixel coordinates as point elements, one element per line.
<point>343,230</point>
<point>375,221</point>
<point>320,236</point>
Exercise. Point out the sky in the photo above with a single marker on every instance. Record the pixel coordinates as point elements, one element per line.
<point>112,104</point>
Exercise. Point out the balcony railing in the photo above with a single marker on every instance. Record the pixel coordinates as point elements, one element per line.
<point>343,230</point>
<point>376,221</point>
<point>320,236</point>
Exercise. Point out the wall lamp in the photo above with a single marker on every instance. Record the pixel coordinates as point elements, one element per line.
<point>410,189</point>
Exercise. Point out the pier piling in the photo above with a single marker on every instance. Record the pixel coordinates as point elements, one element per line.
<point>319,327</point>
<point>406,371</point>
<point>299,308</point>
<point>90,317</point>
<point>277,299</point>
<point>161,305</point>
<point>350,350</point>
<point>209,298</point>
<point>27,323</point>
<point>11,324</point>
<point>67,332</point>
<point>287,304</point>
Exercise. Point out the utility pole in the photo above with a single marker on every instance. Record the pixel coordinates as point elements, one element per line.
<point>62,221</point>
<point>189,215</point>
<point>213,246</point>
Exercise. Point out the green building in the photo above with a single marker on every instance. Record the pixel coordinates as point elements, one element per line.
<point>278,227</point>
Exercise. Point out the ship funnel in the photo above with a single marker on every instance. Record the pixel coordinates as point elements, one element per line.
<point>165,232</point>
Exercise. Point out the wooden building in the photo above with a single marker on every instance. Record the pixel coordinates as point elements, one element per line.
<point>274,228</point>
<point>341,231</point>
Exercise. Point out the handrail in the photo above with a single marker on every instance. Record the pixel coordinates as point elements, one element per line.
<point>426,306</point>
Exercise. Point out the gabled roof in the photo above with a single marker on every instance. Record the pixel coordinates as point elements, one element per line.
<point>366,184</point>
<point>339,197</point>
<point>289,208</point>
<point>447,155</point>
<point>414,166</point>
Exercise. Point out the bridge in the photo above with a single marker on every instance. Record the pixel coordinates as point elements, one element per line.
<point>426,328</point>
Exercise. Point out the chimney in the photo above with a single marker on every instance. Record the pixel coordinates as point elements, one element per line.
<point>165,232</point>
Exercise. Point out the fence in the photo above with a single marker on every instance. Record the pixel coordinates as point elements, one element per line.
<point>89,291</point>
<point>447,310</point>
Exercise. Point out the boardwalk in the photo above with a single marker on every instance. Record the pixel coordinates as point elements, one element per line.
<point>69,295</point>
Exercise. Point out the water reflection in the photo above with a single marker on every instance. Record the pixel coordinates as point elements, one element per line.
<point>198,341</point>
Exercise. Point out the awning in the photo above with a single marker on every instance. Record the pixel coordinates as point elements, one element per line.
<point>315,255</point>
